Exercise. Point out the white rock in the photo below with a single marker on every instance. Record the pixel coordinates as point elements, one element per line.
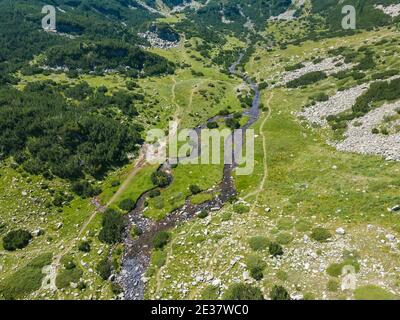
<point>216,282</point>
<point>390,237</point>
<point>246,276</point>
<point>340,231</point>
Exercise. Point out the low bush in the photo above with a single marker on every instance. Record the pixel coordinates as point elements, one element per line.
<point>275,249</point>
<point>127,205</point>
<point>17,239</point>
<point>194,189</point>
<point>161,239</point>
<point>242,291</point>
<point>203,214</point>
<point>258,243</point>
<point>154,193</point>
<point>160,179</point>
<point>135,231</point>
<point>332,285</point>
<point>320,234</point>
<point>212,125</point>
<point>256,266</point>
<point>306,79</point>
<point>112,227</point>
<point>279,293</point>
<point>241,208</point>
<point>84,189</point>
<point>104,268</point>
<point>84,246</point>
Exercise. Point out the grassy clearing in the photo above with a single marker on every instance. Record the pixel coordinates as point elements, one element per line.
<point>174,196</point>
<point>139,184</point>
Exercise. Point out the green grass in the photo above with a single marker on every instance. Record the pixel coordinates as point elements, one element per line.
<point>26,280</point>
<point>139,184</point>
<point>68,276</point>
<point>185,175</point>
<point>372,292</point>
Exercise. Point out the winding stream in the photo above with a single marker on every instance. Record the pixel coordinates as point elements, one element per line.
<point>136,258</point>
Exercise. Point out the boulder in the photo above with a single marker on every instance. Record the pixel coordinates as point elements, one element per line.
<point>340,231</point>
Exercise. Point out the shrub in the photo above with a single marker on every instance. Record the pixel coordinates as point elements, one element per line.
<point>154,193</point>
<point>68,262</point>
<point>279,293</point>
<point>256,266</point>
<point>127,205</point>
<point>212,125</point>
<point>294,67</point>
<point>115,183</point>
<point>84,189</point>
<point>332,285</point>
<point>160,179</point>
<point>161,239</point>
<point>116,288</point>
<point>232,123</point>
<point>84,246</point>
<point>306,79</point>
<point>275,249</point>
<point>385,131</point>
<point>81,285</point>
<point>226,216</point>
<point>104,268</point>
<point>284,238</point>
<point>321,97</point>
<point>203,214</point>
<point>258,243</point>
<point>135,231</point>
<point>241,208</point>
<point>224,112</point>
<point>242,291</point>
<point>194,189</point>
<point>334,269</point>
<point>17,239</point>
<point>113,225</point>
<point>320,234</point>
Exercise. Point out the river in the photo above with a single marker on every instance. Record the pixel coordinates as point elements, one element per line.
<point>136,258</point>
